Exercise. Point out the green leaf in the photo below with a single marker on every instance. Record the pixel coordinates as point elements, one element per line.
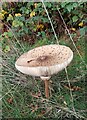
<point>21,18</point>
<point>75,18</point>
<point>10,17</point>
<point>17,23</point>
<point>44,19</point>
<point>43,34</point>
<point>75,4</point>
<point>69,7</point>
<point>80,15</point>
<point>27,11</point>
<point>5,33</point>
<point>10,34</point>
<point>83,30</point>
<point>48,5</point>
<point>7,49</point>
<point>63,4</point>
<point>39,4</point>
<point>23,9</point>
<point>39,33</point>
<point>25,29</point>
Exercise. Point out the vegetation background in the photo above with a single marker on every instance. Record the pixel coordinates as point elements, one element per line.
<point>25,25</point>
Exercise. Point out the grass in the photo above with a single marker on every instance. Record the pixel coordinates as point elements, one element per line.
<point>23,96</point>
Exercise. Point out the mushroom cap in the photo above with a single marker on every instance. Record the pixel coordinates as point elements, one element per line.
<point>45,60</point>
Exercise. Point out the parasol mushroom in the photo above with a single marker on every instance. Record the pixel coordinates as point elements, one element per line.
<point>44,61</point>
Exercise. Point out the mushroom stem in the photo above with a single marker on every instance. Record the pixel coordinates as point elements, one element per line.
<point>46,88</point>
<point>46,82</point>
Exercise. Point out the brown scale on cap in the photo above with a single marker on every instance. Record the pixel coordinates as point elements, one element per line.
<point>48,55</point>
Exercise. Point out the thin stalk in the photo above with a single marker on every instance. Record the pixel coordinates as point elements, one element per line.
<point>50,22</point>
<point>46,88</point>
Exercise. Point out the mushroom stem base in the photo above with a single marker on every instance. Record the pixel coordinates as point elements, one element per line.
<point>46,88</point>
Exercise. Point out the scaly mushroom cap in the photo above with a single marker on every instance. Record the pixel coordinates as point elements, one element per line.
<point>45,60</point>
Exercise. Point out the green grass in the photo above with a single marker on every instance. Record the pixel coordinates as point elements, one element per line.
<point>17,98</point>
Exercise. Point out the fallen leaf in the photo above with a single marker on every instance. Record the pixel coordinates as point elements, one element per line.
<point>81,24</point>
<point>10,100</point>
<point>17,14</point>
<point>32,14</point>
<point>36,95</point>
<point>72,88</point>
<point>1,16</point>
<point>73,29</point>
<point>65,102</point>
<point>34,108</point>
<point>4,12</point>
<point>40,26</point>
<point>35,5</point>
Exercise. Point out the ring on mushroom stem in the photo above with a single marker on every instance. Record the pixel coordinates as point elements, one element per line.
<point>45,61</point>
